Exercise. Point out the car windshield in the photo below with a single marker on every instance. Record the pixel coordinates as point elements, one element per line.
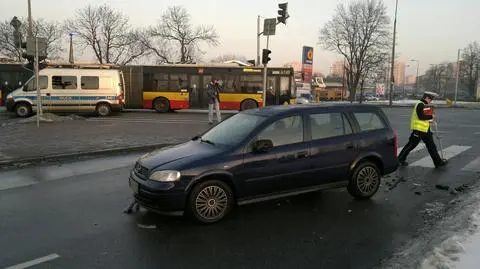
<point>233,130</point>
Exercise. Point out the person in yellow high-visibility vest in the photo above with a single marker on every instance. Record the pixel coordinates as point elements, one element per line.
<point>420,126</point>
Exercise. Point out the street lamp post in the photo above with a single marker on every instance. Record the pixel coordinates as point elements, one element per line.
<point>458,71</point>
<point>392,80</point>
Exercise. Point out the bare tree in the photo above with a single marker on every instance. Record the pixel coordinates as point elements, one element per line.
<point>176,31</point>
<point>436,78</point>
<point>228,57</point>
<point>373,65</point>
<point>108,34</point>
<point>156,45</point>
<point>50,30</point>
<point>359,32</point>
<point>470,66</point>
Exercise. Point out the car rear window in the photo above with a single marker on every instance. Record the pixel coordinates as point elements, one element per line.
<point>369,121</point>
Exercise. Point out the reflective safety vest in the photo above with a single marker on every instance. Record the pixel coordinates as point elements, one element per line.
<point>416,123</point>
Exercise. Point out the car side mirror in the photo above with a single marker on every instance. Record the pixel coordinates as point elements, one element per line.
<point>262,145</point>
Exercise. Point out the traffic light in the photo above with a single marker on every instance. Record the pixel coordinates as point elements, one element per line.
<point>283,13</point>
<point>265,57</point>
<point>25,55</point>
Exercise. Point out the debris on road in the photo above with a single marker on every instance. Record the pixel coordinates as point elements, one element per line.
<point>143,226</point>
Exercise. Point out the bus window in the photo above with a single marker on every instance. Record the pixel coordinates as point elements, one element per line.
<point>285,86</point>
<point>155,82</point>
<point>178,82</point>
<point>251,84</point>
<point>228,84</point>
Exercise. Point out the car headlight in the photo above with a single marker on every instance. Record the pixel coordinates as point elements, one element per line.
<point>165,176</point>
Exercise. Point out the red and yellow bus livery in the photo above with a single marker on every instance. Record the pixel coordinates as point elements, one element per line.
<point>172,87</point>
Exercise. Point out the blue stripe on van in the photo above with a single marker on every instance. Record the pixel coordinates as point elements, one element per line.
<point>66,98</point>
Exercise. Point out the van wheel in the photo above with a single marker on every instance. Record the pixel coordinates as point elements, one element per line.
<point>23,110</point>
<point>248,104</point>
<point>161,105</point>
<point>365,181</point>
<point>103,110</point>
<point>210,201</point>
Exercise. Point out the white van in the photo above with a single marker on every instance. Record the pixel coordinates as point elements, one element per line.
<point>71,90</point>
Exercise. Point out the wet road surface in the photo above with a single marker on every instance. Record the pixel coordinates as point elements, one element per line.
<point>75,220</point>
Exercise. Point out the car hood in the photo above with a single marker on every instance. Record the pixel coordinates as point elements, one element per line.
<point>163,156</point>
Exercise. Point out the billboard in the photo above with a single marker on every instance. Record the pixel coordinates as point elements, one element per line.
<point>307,64</point>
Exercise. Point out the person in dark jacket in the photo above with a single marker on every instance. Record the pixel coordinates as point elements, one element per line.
<point>213,92</point>
<point>420,125</point>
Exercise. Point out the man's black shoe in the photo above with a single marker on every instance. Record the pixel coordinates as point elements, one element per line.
<point>441,164</point>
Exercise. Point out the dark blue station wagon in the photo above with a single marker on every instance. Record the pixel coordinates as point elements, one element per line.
<point>268,153</point>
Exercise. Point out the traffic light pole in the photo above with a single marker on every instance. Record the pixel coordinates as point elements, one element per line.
<point>257,63</point>
<point>265,80</point>
<point>39,95</point>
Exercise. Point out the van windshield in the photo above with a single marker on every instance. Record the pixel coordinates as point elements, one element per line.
<point>30,85</point>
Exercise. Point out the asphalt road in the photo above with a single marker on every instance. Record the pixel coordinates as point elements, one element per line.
<point>77,221</point>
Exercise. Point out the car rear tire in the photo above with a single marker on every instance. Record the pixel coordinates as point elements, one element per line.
<point>210,201</point>
<point>365,181</point>
<point>248,104</point>
<point>103,110</point>
<point>161,105</point>
<point>23,110</point>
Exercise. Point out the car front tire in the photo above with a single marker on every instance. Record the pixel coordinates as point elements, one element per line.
<point>210,201</point>
<point>365,181</point>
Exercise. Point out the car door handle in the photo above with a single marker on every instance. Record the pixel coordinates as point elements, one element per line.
<point>48,94</point>
<point>350,146</point>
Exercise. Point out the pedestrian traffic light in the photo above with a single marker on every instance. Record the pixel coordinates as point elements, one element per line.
<point>283,13</point>
<point>265,58</point>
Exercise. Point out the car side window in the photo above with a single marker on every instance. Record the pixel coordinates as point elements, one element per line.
<point>285,131</point>
<point>369,121</point>
<point>325,125</point>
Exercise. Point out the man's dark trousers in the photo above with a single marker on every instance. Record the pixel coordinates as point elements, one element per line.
<point>413,141</point>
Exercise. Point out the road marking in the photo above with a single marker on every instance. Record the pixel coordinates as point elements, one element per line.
<point>11,180</point>
<point>473,166</point>
<point>477,133</point>
<point>35,262</point>
<point>448,153</point>
<point>418,148</point>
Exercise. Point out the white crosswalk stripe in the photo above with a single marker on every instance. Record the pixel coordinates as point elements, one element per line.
<point>473,166</point>
<point>418,148</point>
<point>448,153</point>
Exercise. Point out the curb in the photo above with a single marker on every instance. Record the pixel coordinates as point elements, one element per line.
<point>24,162</point>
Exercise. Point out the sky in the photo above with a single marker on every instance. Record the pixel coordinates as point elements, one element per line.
<point>430,31</point>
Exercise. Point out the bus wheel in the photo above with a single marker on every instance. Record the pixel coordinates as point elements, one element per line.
<point>248,104</point>
<point>161,105</point>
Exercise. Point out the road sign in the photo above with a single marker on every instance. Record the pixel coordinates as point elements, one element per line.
<point>269,26</point>
<point>42,47</point>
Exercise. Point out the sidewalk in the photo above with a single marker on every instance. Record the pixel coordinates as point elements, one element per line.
<point>23,143</point>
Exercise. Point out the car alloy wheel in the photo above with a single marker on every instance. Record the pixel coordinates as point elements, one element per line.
<point>210,201</point>
<point>365,180</point>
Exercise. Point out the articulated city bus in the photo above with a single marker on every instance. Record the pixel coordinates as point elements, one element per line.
<point>181,86</point>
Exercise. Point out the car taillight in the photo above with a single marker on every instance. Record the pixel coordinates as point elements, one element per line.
<point>120,98</point>
<point>395,141</point>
